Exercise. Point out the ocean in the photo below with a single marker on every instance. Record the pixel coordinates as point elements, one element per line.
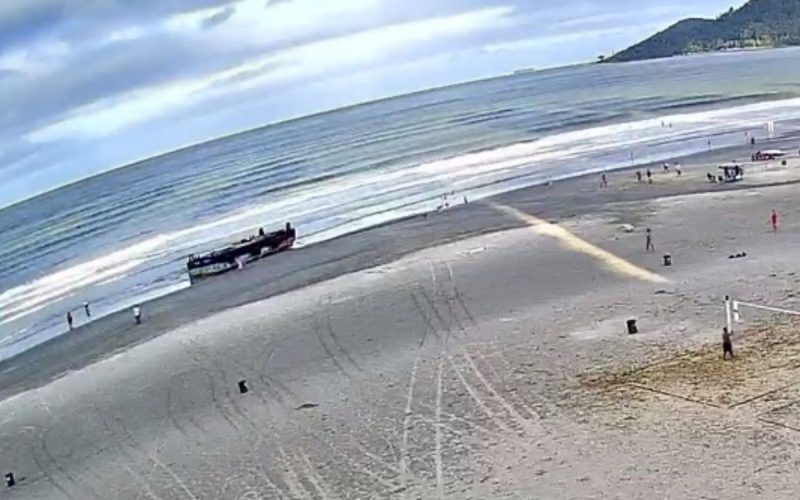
<point>122,237</point>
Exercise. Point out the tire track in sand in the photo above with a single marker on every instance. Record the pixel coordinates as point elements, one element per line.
<point>458,298</point>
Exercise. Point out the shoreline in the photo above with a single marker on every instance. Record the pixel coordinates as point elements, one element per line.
<point>358,251</point>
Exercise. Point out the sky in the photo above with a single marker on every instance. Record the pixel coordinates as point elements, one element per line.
<point>90,85</point>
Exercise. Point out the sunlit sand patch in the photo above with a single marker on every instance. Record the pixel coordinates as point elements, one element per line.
<point>612,262</point>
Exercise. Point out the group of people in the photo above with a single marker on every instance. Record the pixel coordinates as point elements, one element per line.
<point>648,173</point>
<point>86,310</point>
<point>137,315</point>
<point>445,200</point>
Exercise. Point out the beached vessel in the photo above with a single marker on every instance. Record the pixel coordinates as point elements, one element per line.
<point>237,255</point>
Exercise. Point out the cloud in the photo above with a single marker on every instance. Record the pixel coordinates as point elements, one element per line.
<point>329,56</point>
<point>219,17</point>
<point>529,44</point>
<point>24,20</point>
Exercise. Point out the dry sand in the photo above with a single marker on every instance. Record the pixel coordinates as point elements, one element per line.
<point>464,355</point>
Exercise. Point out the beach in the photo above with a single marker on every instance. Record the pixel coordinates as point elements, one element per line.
<point>477,352</point>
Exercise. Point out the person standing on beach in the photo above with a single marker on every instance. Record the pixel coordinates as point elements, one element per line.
<point>69,320</point>
<point>649,176</point>
<point>603,180</point>
<point>678,171</point>
<point>86,310</point>
<point>727,344</point>
<point>137,314</point>
<point>648,242</point>
<point>638,176</point>
<point>774,220</point>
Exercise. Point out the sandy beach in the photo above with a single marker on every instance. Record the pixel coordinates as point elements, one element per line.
<point>478,352</point>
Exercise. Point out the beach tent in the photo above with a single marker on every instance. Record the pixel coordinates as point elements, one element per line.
<point>768,155</point>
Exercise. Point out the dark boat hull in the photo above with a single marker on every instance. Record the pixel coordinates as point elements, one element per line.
<point>238,255</point>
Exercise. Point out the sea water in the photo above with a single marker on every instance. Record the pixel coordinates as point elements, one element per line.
<point>123,237</point>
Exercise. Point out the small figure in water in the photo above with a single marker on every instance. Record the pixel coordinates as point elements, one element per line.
<point>261,231</point>
<point>137,314</point>
<point>678,171</point>
<point>649,176</point>
<point>603,180</point>
<point>774,220</point>
<point>465,200</point>
<point>86,310</point>
<point>648,243</point>
<point>666,167</point>
<point>638,176</point>
<point>69,320</point>
<point>727,344</point>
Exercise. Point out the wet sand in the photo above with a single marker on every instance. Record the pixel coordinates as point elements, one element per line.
<point>439,356</point>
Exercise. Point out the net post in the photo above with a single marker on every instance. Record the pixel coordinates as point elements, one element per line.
<point>728,322</point>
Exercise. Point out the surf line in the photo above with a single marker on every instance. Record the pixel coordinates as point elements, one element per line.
<point>607,259</point>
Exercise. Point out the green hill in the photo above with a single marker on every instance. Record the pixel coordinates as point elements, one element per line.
<point>757,24</point>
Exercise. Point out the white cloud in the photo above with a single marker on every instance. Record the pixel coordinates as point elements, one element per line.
<point>253,24</point>
<point>126,34</point>
<point>527,44</point>
<point>352,52</point>
<point>35,59</point>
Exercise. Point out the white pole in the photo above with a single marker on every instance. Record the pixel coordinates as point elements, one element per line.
<point>728,322</point>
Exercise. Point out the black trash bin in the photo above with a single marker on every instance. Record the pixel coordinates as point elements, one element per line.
<point>632,329</point>
<point>667,260</point>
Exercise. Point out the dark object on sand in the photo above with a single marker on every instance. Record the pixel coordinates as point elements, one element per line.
<point>667,260</point>
<point>738,255</point>
<point>770,155</point>
<point>732,172</point>
<point>236,255</point>
<point>307,406</point>
<point>10,481</point>
<point>632,329</point>
<point>243,389</point>
<point>727,344</point>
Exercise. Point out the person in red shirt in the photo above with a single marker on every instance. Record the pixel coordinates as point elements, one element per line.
<point>774,220</point>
